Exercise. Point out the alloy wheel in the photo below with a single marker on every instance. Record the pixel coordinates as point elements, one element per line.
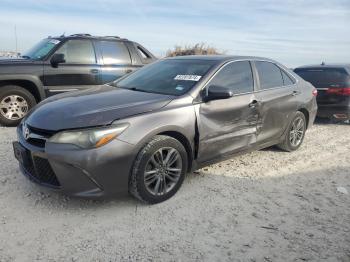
<point>13,107</point>
<point>163,171</point>
<point>297,132</point>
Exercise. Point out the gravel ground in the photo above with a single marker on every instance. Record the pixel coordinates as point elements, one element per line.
<point>264,206</point>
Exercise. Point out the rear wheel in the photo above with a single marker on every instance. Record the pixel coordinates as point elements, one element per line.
<point>159,170</point>
<point>295,133</point>
<point>15,102</point>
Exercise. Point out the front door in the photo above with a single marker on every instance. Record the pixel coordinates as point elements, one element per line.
<point>79,71</point>
<point>229,125</point>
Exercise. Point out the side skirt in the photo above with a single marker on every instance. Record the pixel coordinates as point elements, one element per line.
<point>196,165</point>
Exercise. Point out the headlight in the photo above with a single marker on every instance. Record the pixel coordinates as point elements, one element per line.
<point>89,138</point>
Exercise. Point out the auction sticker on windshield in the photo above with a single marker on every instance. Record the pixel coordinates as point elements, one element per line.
<point>188,77</point>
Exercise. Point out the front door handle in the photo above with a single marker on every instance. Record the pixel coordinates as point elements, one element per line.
<point>295,93</point>
<point>254,104</point>
<point>94,71</point>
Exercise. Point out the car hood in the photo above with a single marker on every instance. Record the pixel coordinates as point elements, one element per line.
<point>96,106</point>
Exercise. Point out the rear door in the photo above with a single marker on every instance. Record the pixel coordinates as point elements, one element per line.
<point>278,100</point>
<point>229,125</point>
<point>115,60</point>
<point>80,70</point>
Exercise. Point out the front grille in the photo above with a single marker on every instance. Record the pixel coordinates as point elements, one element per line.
<point>41,132</point>
<point>37,142</point>
<point>41,171</point>
<point>37,137</point>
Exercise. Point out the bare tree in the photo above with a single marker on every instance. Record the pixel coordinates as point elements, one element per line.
<point>197,49</point>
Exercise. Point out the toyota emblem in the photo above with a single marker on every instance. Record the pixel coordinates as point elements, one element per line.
<point>26,132</point>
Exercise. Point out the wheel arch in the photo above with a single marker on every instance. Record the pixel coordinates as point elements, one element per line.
<point>30,85</point>
<point>184,141</point>
<point>306,114</point>
<point>175,132</point>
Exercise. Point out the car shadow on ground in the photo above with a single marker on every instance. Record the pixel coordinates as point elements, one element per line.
<point>327,121</point>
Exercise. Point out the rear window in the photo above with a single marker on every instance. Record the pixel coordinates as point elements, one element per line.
<point>324,76</point>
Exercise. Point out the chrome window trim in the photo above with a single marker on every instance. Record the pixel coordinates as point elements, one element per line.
<point>255,84</point>
<point>63,90</point>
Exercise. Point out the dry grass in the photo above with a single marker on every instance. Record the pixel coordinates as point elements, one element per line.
<point>197,49</point>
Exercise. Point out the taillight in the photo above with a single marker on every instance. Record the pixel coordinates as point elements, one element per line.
<point>314,92</point>
<point>345,91</point>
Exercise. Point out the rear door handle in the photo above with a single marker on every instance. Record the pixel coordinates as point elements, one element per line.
<point>94,71</point>
<point>254,104</point>
<point>295,93</point>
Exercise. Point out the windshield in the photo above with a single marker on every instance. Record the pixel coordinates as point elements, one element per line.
<point>40,50</point>
<point>170,77</point>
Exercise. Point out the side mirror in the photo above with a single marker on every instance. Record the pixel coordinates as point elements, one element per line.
<point>218,92</point>
<point>57,59</point>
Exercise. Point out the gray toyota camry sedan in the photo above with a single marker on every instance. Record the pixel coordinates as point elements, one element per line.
<point>144,132</point>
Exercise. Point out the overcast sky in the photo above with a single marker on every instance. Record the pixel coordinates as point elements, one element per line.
<point>294,32</point>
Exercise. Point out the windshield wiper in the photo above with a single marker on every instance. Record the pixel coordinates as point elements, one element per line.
<point>25,57</point>
<point>133,89</point>
<point>139,90</point>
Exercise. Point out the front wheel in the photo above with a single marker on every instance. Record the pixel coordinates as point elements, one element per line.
<point>295,133</point>
<point>159,170</point>
<point>15,102</point>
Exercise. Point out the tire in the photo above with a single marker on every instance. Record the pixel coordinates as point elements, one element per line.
<point>146,172</point>
<point>287,143</point>
<point>15,103</point>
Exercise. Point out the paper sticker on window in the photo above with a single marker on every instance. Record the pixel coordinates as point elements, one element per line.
<point>187,77</point>
<point>179,88</point>
<point>54,41</point>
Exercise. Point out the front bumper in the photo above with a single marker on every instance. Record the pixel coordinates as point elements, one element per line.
<point>94,173</point>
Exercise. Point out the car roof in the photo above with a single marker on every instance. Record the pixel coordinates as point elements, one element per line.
<point>220,58</point>
<point>88,36</point>
<point>324,66</point>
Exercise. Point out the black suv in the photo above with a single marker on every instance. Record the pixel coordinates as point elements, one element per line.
<point>61,64</point>
<point>333,85</point>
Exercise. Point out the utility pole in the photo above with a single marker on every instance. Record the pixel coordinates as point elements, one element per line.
<point>16,39</point>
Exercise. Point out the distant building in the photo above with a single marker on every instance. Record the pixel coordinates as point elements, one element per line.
<point>9,54</point>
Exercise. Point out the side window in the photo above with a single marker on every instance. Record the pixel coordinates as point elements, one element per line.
<point>78,52</point>
<point>142,53</point>
<point>269,75</point>
<point>286,79</point>
<point>114,53</point>
<point>236,76</point>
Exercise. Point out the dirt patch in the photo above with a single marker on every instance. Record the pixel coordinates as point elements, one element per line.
<point>264,206</point>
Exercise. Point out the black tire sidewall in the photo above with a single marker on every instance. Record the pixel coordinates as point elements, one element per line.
<point>291,147</point>
<point>15,90</point>
<point>145,155</point>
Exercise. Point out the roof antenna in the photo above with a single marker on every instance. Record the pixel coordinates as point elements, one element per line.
<point>323,63</point>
